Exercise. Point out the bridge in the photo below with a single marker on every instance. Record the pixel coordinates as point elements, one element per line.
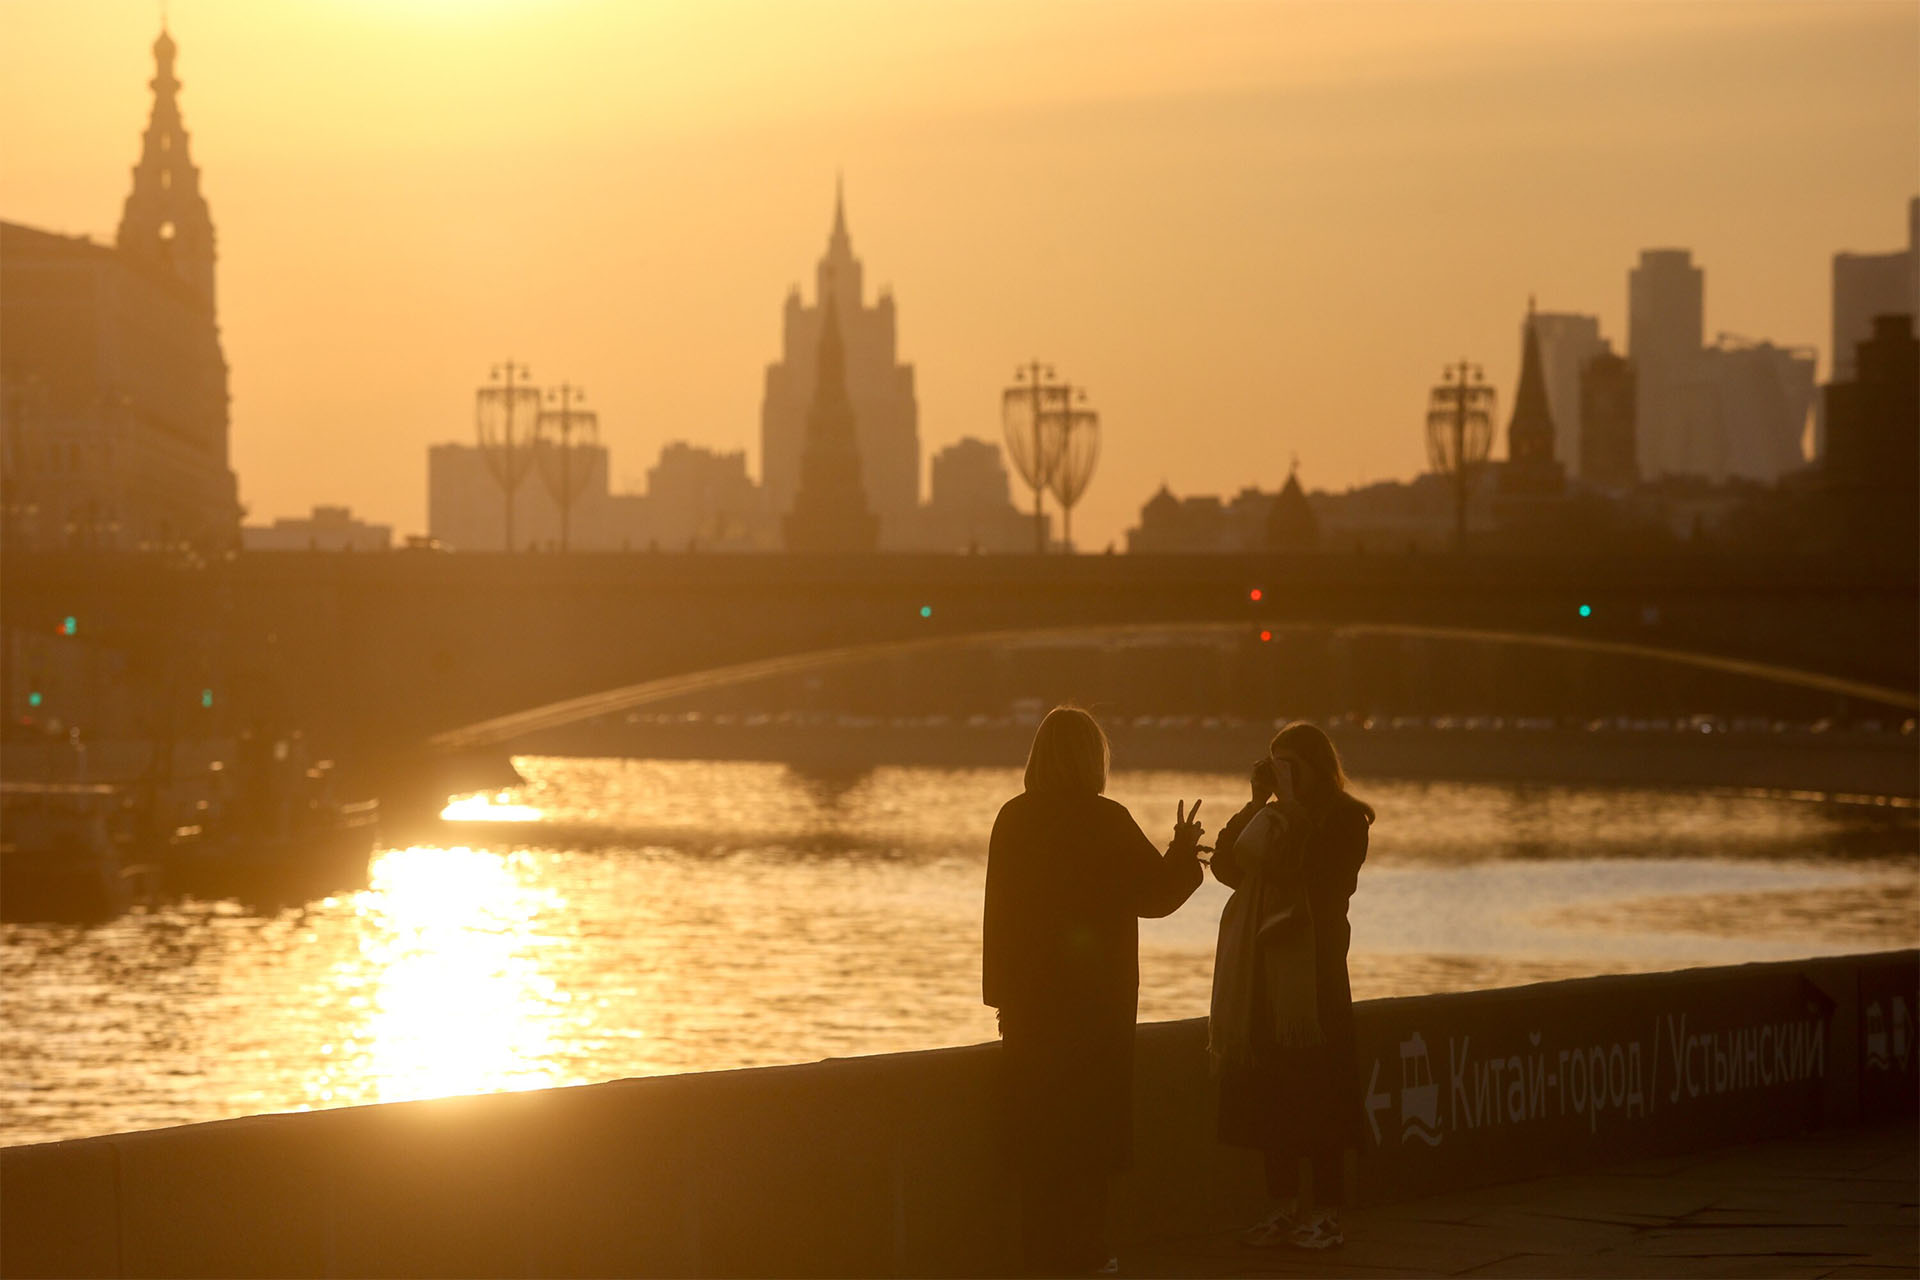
<point>378,653</point>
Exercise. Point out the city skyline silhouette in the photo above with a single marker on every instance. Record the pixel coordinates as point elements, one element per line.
<point>1268,235</point>
<point>564,712</point>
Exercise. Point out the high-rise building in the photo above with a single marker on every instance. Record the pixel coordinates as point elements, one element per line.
<point>1737,409</point>
<point>1666,329</point>
<point>879,387</point>
<point>830,511</point>
<point>969,473</point>
<point>113,386</point>
<point>1752,424</point>
<point>701,498</point>
<point>1866,285</point>
<point>1873,453</point>
<point>696,499</point>
<point>969,502</point>
<point>1607,456</point>
<point>1567,342</point>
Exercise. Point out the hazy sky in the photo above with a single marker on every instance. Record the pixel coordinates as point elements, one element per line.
<point>1254,230</point>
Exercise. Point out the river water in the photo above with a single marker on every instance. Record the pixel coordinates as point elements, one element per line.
<point>622,917</point>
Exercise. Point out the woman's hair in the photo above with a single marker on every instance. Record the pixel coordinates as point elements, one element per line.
<point>1313,747</point>
<point>1069,753</point>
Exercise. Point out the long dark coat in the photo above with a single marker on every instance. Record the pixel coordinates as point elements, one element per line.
<point>1293,1101</point>
<point>1068,877</point>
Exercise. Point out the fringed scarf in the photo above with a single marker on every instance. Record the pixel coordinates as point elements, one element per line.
<point>1266,942</point>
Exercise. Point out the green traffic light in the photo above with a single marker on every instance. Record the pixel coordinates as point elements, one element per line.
<point>1586,611</point>
<point>926,611</point>
<point>70,626</point>
<point>206,697</point>
<point>33,699</point>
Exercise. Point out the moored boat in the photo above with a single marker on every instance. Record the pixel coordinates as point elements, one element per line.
<point>66,851</point>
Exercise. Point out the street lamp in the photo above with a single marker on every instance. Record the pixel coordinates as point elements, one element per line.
<point>1460,433</point>
<point>1079,451</point>
<point>506,415</point>
<point>1035,448</point>
<point>561,431</point>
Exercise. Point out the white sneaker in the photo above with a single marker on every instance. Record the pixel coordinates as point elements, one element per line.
<point>1271,1230</point>
<point>1322,1232</point>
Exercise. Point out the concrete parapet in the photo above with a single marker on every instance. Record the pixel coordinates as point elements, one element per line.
<point>890,1164</point>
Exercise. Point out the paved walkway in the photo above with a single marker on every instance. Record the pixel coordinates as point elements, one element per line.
<point>1828,1204</point>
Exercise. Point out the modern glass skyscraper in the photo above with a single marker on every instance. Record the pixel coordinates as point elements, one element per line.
<point>1866,285</point>
<point>1666,324</point>
<point>1567,342</point>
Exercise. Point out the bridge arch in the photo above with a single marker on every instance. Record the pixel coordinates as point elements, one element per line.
<point>499,730</point>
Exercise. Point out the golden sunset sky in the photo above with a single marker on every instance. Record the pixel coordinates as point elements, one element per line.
<point>1253,230</point>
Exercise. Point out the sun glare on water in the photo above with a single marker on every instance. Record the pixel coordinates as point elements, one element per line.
<point>488,806</point>
<point>455,999</point>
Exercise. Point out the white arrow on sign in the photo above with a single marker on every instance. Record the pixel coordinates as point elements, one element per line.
<point>1376,1101</point>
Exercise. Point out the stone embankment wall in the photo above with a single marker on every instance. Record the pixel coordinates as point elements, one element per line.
<point>888,1164</point>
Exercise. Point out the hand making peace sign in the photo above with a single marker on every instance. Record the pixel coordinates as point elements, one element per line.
<point>1186,825</point>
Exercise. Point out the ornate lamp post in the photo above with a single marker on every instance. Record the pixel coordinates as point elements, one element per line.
<point>506,416</point>
<point>1078,453</point>
<point>1034,447</point>
<point>1459,433</point>
<point>561,431</point>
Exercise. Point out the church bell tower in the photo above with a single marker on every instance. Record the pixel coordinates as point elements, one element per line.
<point>165,223</point>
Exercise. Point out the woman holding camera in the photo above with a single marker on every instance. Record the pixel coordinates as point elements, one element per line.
<point>1069,874</point>
<point>1281,1033</point>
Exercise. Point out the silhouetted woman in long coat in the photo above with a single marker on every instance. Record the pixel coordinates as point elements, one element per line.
<point>1289,1083</point>
<point>1069,874</point>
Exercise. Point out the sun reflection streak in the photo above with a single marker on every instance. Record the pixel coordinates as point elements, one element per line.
<point>488,806</point>
<point>453,995</point>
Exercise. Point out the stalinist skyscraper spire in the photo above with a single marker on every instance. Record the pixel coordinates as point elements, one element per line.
<point>839,266</point>
<point>879,390</point>
<point>165,222</point>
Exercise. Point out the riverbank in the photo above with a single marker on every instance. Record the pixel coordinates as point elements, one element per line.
<point>890,1164</point>
<point>1687,754</point>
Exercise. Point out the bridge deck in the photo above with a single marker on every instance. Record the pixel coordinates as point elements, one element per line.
<point>1826,1204</point>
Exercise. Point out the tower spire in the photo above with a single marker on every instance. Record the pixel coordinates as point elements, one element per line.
<point>165,222</point>
<point>1531,467</point>
<point>1530,432</point>
<point>839,269</point>
<point>839,242</point>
